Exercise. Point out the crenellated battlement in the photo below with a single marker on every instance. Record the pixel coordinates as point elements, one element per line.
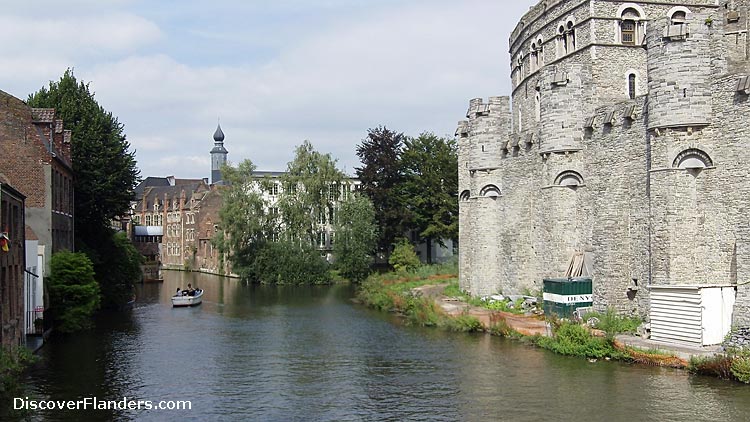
<point>625,141</point>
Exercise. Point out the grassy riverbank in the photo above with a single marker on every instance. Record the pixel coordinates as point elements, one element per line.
<point>397,292</point>
<point>416,295</point>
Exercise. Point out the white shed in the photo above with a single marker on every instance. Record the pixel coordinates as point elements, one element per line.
<point>699,315</point>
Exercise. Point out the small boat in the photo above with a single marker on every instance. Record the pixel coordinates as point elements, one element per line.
<point>188,300</point>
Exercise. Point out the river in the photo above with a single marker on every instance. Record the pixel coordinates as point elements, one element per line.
<point>308,353</point>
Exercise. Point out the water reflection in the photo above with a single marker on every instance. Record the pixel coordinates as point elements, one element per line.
<point>306,353</point>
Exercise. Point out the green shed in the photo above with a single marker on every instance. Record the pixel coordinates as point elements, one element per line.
<point>562,296</point>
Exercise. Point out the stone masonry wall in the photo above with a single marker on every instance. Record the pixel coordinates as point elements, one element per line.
<point>644,215</point>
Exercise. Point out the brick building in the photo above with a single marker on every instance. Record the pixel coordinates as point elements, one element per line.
<point>40,169</point>
<point>12,265</point>
<point>626,147</point>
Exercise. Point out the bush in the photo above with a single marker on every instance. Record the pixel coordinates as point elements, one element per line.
<point>612,323</point>
<point>403,258</point>
<point>289,263</point>
<point>575,340</point>
<point>463,323</point>
<point>740,368</point>
<point>715,366</point>
<point>73,291</point>
<point>12,363</point>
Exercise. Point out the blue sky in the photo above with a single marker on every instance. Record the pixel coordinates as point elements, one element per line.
<point>275,72</point>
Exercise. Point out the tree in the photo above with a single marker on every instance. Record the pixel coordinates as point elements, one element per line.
<point>252,235</point>
<point>403,257</point>
<point>121,262</point>
<point>245,221</point>
<point>105,176</point>
<point>73,291</point>
<point>105,170</point>
<point>381,176</point>
<point>311,188</point>
<point>356,237</point>
<point>431,187</point>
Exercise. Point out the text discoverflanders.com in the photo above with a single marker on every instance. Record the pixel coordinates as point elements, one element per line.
<point>92,403</point>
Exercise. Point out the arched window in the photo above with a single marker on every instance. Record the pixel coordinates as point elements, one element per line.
<point>679,17</point>
<point>536,56</point>
<point>562,42</point>
<point>631,86</point>
<point>571,35</point>
<point>490,191</point>
<point>569,178</point>
<point>464,195</point>
<point>566,38</point>
<point>629,26</point>
<point>692,158</point>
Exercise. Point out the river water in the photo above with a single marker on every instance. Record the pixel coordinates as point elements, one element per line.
<point>307,354</point>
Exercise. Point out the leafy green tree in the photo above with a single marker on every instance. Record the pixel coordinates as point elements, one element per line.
<point>73,291</point>
<point>312,183</point>
<point>246,223</point>
<point>430,187</point>
<point>403,257</point>
<point>105,168</point>
<point>381,175</point>
<point>105,175</point>
<point>120,265</point>
<point>356,237</point>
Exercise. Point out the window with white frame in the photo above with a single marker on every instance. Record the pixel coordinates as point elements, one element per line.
<point>322,239</point>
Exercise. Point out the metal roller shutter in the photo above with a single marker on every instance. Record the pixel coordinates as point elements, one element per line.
<point>676,314</point>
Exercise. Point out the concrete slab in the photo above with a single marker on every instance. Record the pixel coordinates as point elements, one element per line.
<point>682,351</point>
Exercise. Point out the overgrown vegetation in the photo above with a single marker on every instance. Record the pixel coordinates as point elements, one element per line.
<point>289,263</point>
<point>393,292</point>
<point>452,290</point>
<point>576,340</point>
<point>734,365</point>
<point>13,362</point>
<point>73,291</point>
<point>612,323</point>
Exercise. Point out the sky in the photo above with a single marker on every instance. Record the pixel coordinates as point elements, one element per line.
<point>272,73</point>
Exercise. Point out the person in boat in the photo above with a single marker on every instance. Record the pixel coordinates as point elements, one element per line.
<point>190,290</point>
<point>178,292</point>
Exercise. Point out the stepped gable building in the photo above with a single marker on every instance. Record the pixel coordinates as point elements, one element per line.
<point>624,143</point>
<point>164,219</point>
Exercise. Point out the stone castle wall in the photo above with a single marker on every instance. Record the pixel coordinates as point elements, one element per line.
<point>653,187</point>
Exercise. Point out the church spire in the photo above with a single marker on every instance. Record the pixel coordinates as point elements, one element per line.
<point>218,155</point>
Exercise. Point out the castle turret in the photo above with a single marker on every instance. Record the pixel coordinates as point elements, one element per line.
<point>679,69</point>
<point>218,156</point>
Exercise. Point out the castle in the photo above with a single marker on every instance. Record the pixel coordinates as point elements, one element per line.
<point>624,154</point>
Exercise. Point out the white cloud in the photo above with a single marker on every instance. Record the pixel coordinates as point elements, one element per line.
<point>412,66</point>
<point>77,35</point>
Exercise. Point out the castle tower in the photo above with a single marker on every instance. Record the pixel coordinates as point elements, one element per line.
<point>218,156</point>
